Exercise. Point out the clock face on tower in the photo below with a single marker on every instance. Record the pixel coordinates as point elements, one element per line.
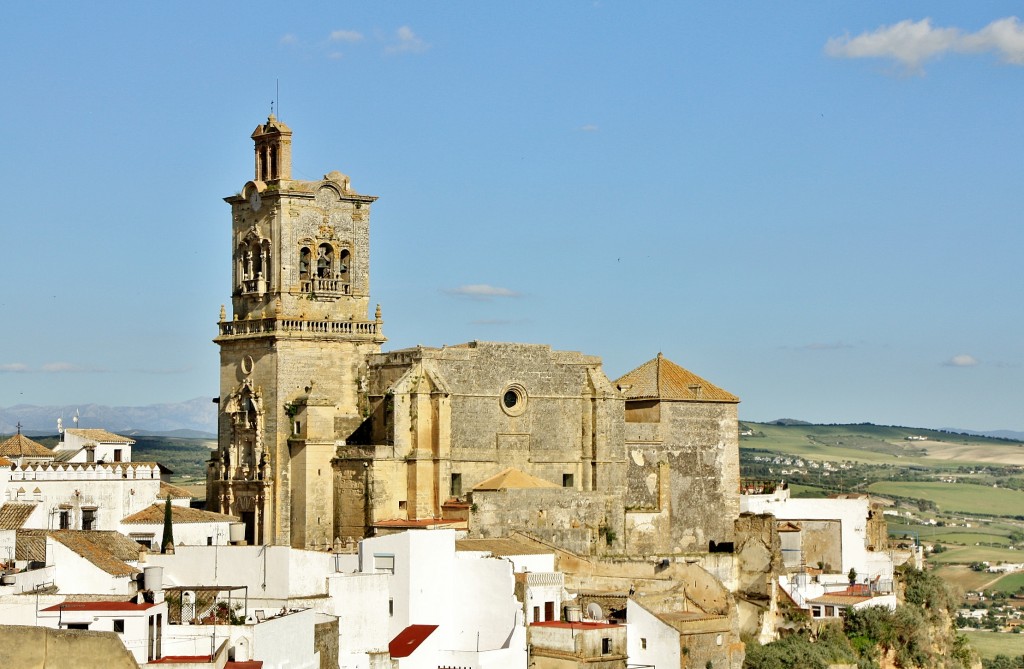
<point>254,200</point>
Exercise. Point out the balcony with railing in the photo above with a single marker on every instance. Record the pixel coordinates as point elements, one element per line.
<point>369,330</point>
<point>327,288</point>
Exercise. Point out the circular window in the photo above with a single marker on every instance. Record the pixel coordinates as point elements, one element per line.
<point>513,400</point>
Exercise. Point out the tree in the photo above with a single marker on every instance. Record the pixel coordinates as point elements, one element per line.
<point>168,539</point>
<point>852,576</point>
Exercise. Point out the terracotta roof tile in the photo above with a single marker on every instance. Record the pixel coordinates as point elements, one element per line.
<point>409,639</point>
<point>20,446</point>
<point>99,436</point>
<point>106,550</point>
<point>663,379</point>
<point>13,516</point>
<point>154,515</point>
<point>4,462</point>
<point>513,478</point>
<point>174,491</point>
<point>501,547</point>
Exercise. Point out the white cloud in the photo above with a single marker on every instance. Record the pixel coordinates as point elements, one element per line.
<point>481,291</point>
<point>908,42</point>
<point>912,43</point>
<point>13,368</point>
<point>1004,36</point>
<point>589,127</point>
<point>349,36</point>
<point>962,360</point>
<point>69,367</point>
<point>826,346</point>
<point>408,42</point>
<point>288,38</point>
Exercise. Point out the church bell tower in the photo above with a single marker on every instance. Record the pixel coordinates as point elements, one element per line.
<point>292,348</point>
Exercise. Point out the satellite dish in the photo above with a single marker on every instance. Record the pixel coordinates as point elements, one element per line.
<point>594,611</point>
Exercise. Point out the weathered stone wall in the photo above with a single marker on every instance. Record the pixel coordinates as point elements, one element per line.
<point>45,648</point>
<point>589,523</point>
<point>758,555</point>
<point>326,642</point>
<point>696,447</point>
<point>822,541</point>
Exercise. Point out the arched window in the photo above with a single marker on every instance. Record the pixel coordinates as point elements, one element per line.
<point>304,259</point>
<point>343,261</point>
<point>324,261</point>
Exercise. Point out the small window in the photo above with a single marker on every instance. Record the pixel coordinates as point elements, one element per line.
<point>76,626</point>
<point>567,481</point>
<point>391,607</point>
<point>606,646</point>
<point>209,541</point>
<point>402,504</point>
<point>88,519</point>
<point>384,562</point>
<point>119,625</point>
<point>298,428</point>
<point>536,614</point>
<point>456,484</point>
<point>65,520</point>
<point>117,455</point>
<point>643,643</point>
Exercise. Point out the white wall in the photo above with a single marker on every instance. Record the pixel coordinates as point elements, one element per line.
<point>271,572</point>
<point>282,642</point>
<point>360,601</point>
<point>851,513</point>
<point>99,486</point>
<point>190,534</point>
<point>471,598</point>
<point>136,625</point>
<point>662,640</point>
<point>74,575</point>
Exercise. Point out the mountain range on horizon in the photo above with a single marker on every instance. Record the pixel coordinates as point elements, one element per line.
<point>194,418</point>
<point>197,418</point>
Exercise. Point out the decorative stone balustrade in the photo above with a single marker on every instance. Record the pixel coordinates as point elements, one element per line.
<point>314,328</point>
<point>326,287</point>
<point>87,471</point>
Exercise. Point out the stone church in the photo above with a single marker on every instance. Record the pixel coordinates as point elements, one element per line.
<point>323,437</point>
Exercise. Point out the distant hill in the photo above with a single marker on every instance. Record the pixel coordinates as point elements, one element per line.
<point>1013,435</point>
<point>881,444</point>
<point>196,417</point>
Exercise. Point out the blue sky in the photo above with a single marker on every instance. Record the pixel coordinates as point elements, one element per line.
<point>812,205</point>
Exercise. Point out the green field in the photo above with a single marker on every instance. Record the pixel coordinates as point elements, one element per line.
<point>969,554</point>
<point>1010,582</point>
<point>963,578</point>
<point>882,444</point>
<point>962,497</point>
<point>990,644</point>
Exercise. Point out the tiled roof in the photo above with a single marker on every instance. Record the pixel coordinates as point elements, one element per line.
<point>127,605</point>
<point>501,547</point>
<point>154,515</point>
<point>663,379</point>
<point>13,516</point>
<point>107,550</point>
<point>436,523</point>
<point>30,545</point>
<point>839,600</point>
<point>19,446</point>
<point>99,436</point>
<point>513,478</point>
<point>409,639</point>
<point>66,454</point>
<point>174,491</point>
<point>4,462</point>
